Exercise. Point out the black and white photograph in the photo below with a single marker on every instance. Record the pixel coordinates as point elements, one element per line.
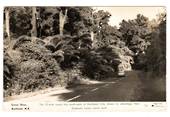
<point>84,54</point>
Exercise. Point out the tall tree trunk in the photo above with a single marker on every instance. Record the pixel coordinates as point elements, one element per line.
<point>92,36</point>
<point>7,26</point>
<point>34,27</point>
<point>38,22</point>
<point>92,33</point>
<point>62,19</point>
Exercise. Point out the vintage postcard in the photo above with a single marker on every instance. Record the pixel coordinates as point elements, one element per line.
<point>84,58</point>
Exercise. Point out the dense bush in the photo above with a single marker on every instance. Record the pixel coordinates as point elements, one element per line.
<point>58,60</point>
<point>101,63</point>
<point>37,69</point>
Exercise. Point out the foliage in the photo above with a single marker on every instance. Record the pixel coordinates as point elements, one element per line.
<point>20,21</point>
<point>79,20</point>
<point>37,69</point>
<point>136,34</point>
<point>156,54</point>
<point>96,66</point>
<point>49,21</point>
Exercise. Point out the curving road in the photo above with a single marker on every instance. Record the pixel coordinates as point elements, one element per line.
<point>120,89</point>
<point>133,87</point>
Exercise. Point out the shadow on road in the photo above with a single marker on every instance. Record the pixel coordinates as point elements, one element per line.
<point>133,87</point>
<point>77,90</point>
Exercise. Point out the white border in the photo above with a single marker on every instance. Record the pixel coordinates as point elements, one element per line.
<point>83,3</point>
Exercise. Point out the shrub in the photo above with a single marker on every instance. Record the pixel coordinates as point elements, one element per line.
<point>36,70</point>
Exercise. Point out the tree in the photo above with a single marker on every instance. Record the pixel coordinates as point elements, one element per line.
<point>20,21</point>
<point>79,20</point>
<point>100,22</point>
<point>34,24</point>
<point>136,33</point>
<point>7,26</point>
<point>156,54</point>
<point>62,21</point>
<point>49,21</point>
